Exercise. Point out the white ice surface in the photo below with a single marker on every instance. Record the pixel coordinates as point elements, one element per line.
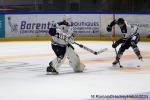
<point>23,76</point>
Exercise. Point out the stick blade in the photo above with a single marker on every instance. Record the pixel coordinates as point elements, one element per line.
<point>102,50</point>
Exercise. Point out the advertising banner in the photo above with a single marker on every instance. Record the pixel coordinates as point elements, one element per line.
<point>39,24</point>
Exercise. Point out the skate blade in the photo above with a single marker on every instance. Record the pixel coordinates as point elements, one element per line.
<point>52,73</point>
<point>117,65</point>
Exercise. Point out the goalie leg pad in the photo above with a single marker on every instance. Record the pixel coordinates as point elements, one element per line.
<point>56,63</point>
<point>60,53</point>
<point>79,68</point>
<point>74,60</point>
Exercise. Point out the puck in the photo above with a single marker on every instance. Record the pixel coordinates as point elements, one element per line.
<point>138,65</point>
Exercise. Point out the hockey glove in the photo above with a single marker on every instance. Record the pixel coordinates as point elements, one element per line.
<point>109,28</point>
<point>114,45</point>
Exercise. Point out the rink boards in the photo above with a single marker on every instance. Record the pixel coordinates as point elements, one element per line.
<point>83,25</point>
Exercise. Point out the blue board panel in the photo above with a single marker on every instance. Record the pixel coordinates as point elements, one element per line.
<point>2,25</point>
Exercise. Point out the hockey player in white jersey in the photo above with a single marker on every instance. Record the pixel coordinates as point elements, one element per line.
<point>130,38</point>
<point>62,38</point>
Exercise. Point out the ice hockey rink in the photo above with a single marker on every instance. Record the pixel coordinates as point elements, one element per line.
<point>23,73</point>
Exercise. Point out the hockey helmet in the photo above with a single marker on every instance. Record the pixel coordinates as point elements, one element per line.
<point>120,21</point>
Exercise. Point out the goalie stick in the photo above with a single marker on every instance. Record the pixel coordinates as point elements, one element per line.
<point>90,50</point>
<point>63,37</point>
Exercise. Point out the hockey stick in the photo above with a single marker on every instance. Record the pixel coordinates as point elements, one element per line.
<point>113,40</point>
<point>90,50</point>
<point>81,46</point>
<point>117,55</point>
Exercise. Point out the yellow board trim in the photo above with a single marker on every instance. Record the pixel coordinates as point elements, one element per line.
<point>47,38</point>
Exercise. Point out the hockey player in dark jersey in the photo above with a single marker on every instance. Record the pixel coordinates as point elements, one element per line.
<point>62,38</point>
<point>130,38</point>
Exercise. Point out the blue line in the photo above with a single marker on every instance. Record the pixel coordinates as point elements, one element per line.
<point>70,12</point>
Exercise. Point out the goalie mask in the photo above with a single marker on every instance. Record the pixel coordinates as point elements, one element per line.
<point>65,24</point>
<point>67,19</point>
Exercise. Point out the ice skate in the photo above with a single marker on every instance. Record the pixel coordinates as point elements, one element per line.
<point>115,62</point>
<point>140,57</point>
<point>51,70</point>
